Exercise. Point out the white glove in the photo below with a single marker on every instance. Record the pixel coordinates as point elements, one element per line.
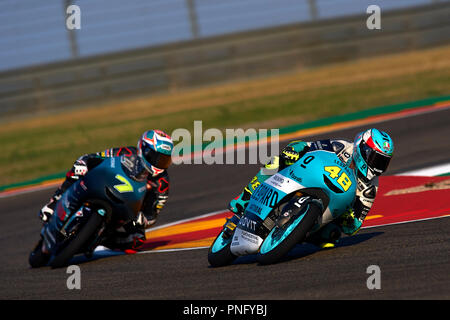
<point>45,213</point>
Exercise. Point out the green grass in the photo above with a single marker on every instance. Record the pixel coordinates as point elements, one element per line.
<point>47,144</point>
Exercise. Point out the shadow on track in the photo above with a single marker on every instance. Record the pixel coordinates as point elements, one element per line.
<point>101,254</point>
<point>306,249</point>
<point>358,238</point>
<point>106,253</point>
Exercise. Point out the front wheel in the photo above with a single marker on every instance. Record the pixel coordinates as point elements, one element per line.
<point>219,253</point>
<point>282,239</point>
<point>38,258</point>
<point>62,257</point>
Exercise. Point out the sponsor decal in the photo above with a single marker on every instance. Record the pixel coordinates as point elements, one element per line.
<point>294,177</point>
<point>278,178</point>
<point>248,224</point>
<point>255,209</point>
<point>250,237</point>
<point>166,147</point>
<point>324,145</point>
<point>267,196</point>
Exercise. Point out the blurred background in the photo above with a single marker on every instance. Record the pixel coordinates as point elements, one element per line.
<point>137,47</point>
<point>262,63</point>
<point>33,33</point>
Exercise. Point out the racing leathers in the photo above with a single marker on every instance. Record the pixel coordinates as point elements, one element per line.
<point>348,223</point>
<point>132,234</point>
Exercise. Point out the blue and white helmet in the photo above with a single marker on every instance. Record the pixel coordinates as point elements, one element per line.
<point>372,152</point>
<point>155,149</point>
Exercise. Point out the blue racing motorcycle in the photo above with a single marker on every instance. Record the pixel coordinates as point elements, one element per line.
<point>111,199</point>
<point>288,207</point>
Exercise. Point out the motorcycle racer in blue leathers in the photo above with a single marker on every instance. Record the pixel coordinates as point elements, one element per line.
<point>149,160</point>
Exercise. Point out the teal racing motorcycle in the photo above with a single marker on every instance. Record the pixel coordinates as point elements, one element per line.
<point>110,199</point>
<point>288,207</point>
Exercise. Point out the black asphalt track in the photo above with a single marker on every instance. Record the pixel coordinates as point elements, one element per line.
<point>413,258</point>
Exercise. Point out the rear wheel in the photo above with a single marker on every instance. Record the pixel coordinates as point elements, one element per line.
<point>281,240</point>
<point>219,253</point>
<point>73,245</point>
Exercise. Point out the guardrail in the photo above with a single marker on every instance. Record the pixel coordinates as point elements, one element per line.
<point>206,61</point>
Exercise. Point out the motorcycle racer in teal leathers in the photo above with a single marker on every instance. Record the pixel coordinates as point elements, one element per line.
<point>369,156</point>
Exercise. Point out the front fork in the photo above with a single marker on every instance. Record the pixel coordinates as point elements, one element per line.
<point>56,232</point>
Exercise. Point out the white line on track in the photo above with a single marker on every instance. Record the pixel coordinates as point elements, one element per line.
<point>430,171</point>
<point>403,222</point>
<point>186,220</point>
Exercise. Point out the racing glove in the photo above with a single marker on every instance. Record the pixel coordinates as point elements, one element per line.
<point>289,155</point>
<point>292,152</point>
<point>47,211</point>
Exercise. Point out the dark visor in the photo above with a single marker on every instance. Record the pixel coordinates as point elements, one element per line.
<point>156,159</point>
<point>375,160</point>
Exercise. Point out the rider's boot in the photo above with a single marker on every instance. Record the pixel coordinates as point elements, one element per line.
<point>325,238</point>
<point>129,237</point>
<point>349,223</point>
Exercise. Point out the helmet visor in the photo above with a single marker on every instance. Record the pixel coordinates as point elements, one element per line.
<point>378,162</point>
<point>156,159</point>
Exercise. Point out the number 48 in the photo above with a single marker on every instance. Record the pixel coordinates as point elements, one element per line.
<point>343,180</point>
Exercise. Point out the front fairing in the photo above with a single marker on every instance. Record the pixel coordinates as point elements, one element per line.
<point>108,183</point>
<point>315,170</point>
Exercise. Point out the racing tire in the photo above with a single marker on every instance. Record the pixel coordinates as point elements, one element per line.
<point>37,258</point>
<point>223,256</point>
<point>296,236</point>
<point>73,246</point>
